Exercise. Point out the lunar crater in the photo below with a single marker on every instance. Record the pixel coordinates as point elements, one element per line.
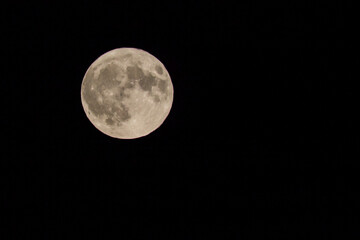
<point>159,69</point>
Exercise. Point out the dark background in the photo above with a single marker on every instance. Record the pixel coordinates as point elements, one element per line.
<point>262,141</point>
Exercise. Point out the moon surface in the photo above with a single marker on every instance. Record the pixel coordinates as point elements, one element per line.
<point>127,93</point>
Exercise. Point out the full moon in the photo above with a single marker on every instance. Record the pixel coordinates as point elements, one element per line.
<point>127,93</point>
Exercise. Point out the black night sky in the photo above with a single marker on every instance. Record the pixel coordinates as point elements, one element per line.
<point>262,141</point>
